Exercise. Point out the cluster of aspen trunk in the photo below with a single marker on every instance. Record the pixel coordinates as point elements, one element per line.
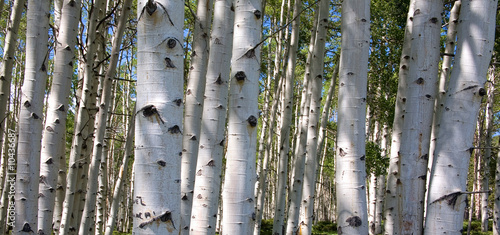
<point>205,117</point>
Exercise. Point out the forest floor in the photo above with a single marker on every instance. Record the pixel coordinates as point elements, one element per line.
<point>329,228</point>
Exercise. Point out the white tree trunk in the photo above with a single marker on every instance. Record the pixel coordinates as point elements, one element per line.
<point>391,208</point>
<point>57,107</point>
<point>122,173</point>
<point>88,216</point>
<point>350,171</point>
<point>30,117</point>
<point>311,160</point>
<point>446,202</point>
<point>194,107</point>
<point>421,94</point>
<point>239,183</point>
<point>286,120</point>
<point>9,50</point>
<point>158,137</point>
<point>212,137</point>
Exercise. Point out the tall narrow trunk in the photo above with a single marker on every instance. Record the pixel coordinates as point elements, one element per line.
<point>212,137</point>
<point>110,224</point>
<point>286,120</point>
<point>421,94</point>
<point>350,171</point>
<point>30,117</point>
<point>158,137</point>
<point>239,183</point>
<point>311,160</point>
<point>392,206</point>
<point>9,50</point>
<point>55,124</point>
<point>194,107</point>
<point>88,216</point>
<point>453,146</point>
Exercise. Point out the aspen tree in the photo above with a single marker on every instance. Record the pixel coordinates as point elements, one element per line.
<point>57,106</point>
<point>421,94</point>
<point>392,207</point>
<point>194,107</point>
<point>104,103</point>
<point>117,192</point>
<point>286,119</point>
<point>311,160</point>
<point>30,117</point>
<point>158,135</point>
<point>446,197</point>
<point>239,183</point>
<point>212,137</point>
<point>299,155</point>
<point>9,50</point>
<point>84,127</point>
<point>350,171</point>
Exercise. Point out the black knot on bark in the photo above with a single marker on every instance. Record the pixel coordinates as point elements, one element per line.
<point>433,20</point>
<point>252,121</point>
<point>178,102</point>
<point>257,14</point>
<point>151,7</point>
<point>482,92</point>
<point>174,130</point>
<point>240,76</point>
<point>169,63</point>
<point>161,163</point>
<point>171,43</point>
<point>26,228</point>
<point>420,81</point>
<point>27,104</point>
<point>354,221</point>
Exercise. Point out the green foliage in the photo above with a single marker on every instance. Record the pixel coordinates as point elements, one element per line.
<point>324,227</point>
<point>375,163</point>
<point>476,228</point>
<point>266,227</point>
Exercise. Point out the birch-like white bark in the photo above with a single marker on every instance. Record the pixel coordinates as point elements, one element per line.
<point>212,137</point>
<point>286,120</point>
<point>421,95</point>
<point>311,160</point>
<point>9,49</point>
<point>30,117</point>
<point>350,171</point>
<point>194,107</point>
<point>239,183</point>
<point>87,222</point>
<point>392,207</point>
<point>158,135</point>
<point>117,192</point>
<point>446,201</point>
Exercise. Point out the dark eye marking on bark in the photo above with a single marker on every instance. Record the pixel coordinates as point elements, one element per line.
<point>420,81</point>
<point>169,63</point>
<point>49,161</point>
<point>362,158</point>
<point>161,163</point>
<point>26,228</point>
<point>199,172</point>
<point>34,115</point>
<point>185,197</point>
<point>27,104</point>
<point>219,80</point>
<point>151,7</point>
<point>482,92</point>
<point>354,221</point>
<point>252,121</point>
<point>342,152</point>
<point>211,163</point>
<point>240,76</point>
<point>150,111</point>
<point>434,20</point>
<point>175,130</point>
<point>178,102</point>
<point>257,14</point>
<point>171,43</point>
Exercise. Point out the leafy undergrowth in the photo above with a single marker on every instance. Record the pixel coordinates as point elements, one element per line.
<point>321,228</point>
<point>475,228</point>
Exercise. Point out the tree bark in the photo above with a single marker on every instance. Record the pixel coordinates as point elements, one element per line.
<point>350,170</point>
<point>158,137</point>
<point>212,137</point>
<point>453,147</point>
<point>30,117</point>
<point>239,184</point>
